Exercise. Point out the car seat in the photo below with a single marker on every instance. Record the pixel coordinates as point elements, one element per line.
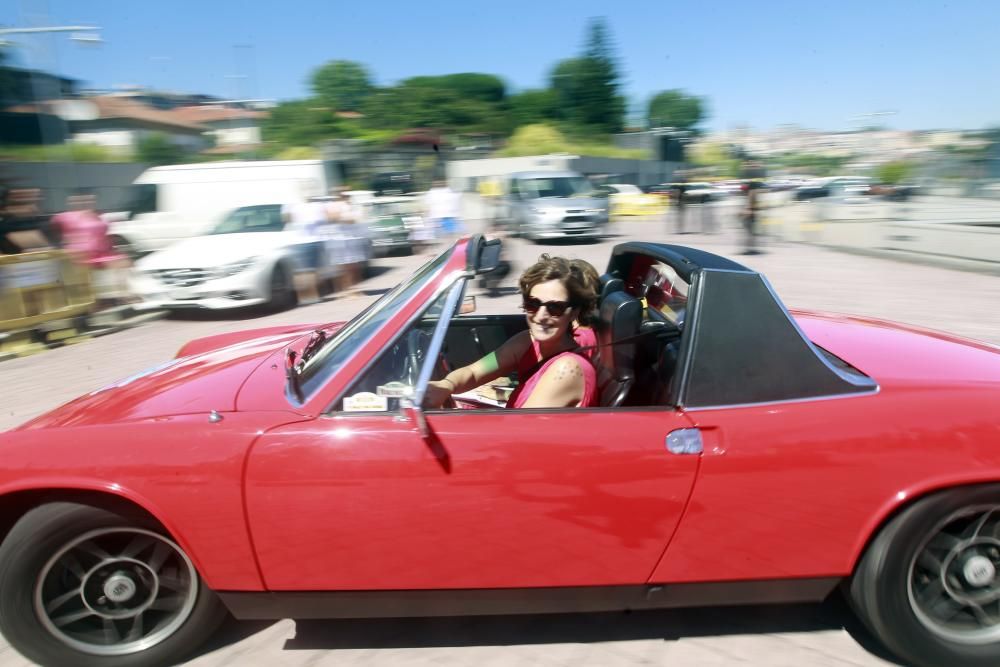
<point>619,318</point>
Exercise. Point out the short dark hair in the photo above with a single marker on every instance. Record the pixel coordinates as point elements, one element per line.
<point>577,276</point>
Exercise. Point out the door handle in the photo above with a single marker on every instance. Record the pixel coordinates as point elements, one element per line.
<point>685,441</point>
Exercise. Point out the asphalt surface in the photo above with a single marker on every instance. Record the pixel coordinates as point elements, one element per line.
<point>805,276</point>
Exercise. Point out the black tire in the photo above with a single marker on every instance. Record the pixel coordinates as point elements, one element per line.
<point>899,598</point>
<point>282,295</point>
<point>30,560</point>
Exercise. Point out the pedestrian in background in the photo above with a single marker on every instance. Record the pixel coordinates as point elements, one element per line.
<point>444,207</point>
<point>306,219</point>
<point>83,233</point>
<point>350,241</point>
<point>749,215</point>
<point>679,191</point>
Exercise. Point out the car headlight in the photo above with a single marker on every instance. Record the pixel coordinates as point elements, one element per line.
<point>233,268</point>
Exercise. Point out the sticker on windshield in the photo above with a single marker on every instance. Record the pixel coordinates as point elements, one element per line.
<point>366,402</point>
<point>394,390</point>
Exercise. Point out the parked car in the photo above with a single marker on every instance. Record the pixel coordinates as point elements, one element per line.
<point>246,260</point>
<point>553,204</point>
<point>741,454</point>
<point>844,188</point>
<point>391,222</point>
<point>393,183</point>
<point>628,199</point>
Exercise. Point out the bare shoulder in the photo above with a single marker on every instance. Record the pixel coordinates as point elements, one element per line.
<point>567,368</point>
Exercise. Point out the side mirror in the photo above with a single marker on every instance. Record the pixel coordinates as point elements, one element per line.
<point>415,413</point>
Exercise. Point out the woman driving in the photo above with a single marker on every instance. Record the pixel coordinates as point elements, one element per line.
<point>555,293</point>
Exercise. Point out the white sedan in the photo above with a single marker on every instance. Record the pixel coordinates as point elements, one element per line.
<point>247,260</point>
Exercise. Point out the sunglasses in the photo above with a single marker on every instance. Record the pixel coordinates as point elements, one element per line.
<point>556,308</point>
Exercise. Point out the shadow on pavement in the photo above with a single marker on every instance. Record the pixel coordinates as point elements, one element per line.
<point>668,625</point>
<point>231,632</point>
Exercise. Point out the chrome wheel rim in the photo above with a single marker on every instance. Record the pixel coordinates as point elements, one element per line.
<point>953,583</point>
<point>116,591</point>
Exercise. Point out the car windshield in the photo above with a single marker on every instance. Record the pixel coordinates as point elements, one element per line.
<point>628,189</point>
<point>557,186</point>
<point>359,330</point>
<point>251,219</point>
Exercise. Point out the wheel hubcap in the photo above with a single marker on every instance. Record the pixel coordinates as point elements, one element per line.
<point>953,586</point>
<point>116,591</point>
<point>979,571</point>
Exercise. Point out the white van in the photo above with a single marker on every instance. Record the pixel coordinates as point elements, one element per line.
<point>179,201</point>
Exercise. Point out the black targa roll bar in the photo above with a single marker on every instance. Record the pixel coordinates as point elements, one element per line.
<point>739,344</point>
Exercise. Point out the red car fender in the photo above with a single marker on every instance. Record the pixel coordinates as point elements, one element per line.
<point>64,488</point>
<point>910,496</point>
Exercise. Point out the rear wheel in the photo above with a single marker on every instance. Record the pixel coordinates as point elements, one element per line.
<point>85,586</point>
<point>928,586</point>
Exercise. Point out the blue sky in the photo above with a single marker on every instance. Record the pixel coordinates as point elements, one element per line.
<point>818,64</point>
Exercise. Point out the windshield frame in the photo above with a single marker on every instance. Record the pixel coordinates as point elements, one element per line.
<point>355,336</point>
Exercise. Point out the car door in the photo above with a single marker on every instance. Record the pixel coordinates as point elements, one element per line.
<point>361,499</point>
<point>491,499</point>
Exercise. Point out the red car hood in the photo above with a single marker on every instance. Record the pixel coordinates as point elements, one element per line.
<point>897,354</point>
<point>207,375</point>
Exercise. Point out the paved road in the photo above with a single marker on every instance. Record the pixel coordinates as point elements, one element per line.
<point>805,276</point>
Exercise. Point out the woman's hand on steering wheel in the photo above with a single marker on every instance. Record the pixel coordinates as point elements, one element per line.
<point>438,393</point>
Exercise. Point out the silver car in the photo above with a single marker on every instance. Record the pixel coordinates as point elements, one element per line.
<point>553,204</point>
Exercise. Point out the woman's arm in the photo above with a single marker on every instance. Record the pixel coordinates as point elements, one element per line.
<point>495,364</point>
<point>561,386</point>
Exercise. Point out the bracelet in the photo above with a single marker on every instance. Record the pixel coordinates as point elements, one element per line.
<point>452,383</point>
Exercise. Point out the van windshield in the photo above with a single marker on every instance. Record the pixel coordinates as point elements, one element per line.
<point>556,186</point>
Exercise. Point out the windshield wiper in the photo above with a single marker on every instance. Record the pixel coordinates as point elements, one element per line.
<point>315,342</point>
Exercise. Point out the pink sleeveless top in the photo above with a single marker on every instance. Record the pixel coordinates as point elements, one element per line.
<point>520,395</point>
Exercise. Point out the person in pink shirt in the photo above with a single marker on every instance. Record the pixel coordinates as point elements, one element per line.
<point>84,233</point>
<point>555,294</point>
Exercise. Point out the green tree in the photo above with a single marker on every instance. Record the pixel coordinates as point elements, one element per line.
<point>420,105</point>
<point>342,85</point>
<point>156,148</point>
<point>587,87</point>
<point>467,85</point>
<point>533,106</point>
<point>675,108</point>
<point>301,123</point>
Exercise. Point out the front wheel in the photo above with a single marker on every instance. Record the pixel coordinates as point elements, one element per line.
<point>85,586</point>
<point>928,585</point>
<point>281,289</point>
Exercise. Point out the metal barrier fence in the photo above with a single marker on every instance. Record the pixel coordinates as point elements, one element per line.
<point>42,286</point>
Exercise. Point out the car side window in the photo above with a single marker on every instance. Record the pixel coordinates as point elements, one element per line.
<point>393,376</point>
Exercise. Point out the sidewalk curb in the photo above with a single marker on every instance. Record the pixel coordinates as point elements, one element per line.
<point>53,334</point>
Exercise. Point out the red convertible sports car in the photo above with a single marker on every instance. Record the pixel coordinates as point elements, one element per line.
<point>741,454</point>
